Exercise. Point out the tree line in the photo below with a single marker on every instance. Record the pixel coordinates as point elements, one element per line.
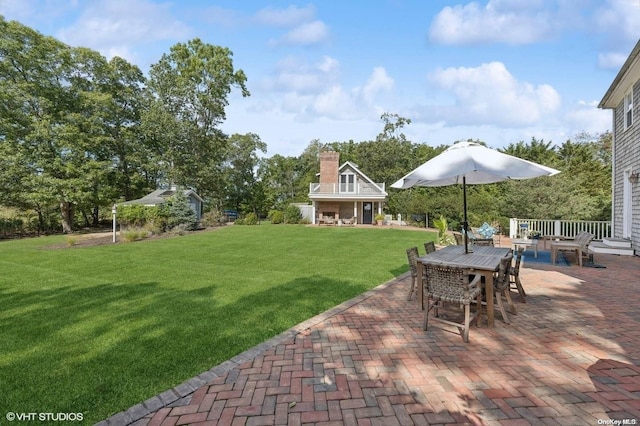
<point>79,132</point>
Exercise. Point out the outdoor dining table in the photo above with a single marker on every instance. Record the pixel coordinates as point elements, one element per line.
<point>484,261</point>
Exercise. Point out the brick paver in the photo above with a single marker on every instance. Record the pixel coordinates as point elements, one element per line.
<point>571,355</point>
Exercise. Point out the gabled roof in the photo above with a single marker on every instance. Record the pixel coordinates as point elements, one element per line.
<point>360,173</point>
<point>159,196</point>
<point>627,76</point>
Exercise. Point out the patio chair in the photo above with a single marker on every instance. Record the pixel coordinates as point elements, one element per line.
<point>479,239</point>
<point>412,256</point>
<point>501,288</point>
<point>459,238</point>
<point>453,285</point>
<point>429,247</point>
<point>580,246</point>
<point>514,275</point>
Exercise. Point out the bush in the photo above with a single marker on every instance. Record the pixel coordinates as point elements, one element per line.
<point>275,216</point>
<point>251,219</point>
<point>135,215</point>
<point>213,218</point>
<point>133,234</point>
<point>292,214</point>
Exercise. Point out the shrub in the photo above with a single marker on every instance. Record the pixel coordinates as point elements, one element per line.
<point>442,225</point>
<point>251,219</point>
<point>180,229</point>
<point>72,241</point>
<point>275,216</point>
<point>133,234</point>
<point>213,218</point>
<point>292,214</point>
<point>133,214</point>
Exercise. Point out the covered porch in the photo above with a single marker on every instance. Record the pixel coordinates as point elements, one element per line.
<point>339,211</point>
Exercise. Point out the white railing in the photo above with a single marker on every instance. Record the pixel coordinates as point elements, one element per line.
<point>360,188</point>
<point>565,228</point>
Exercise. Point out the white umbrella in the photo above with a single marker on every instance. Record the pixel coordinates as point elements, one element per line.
<point>471,163</point>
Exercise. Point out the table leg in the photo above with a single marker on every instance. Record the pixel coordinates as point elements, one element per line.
<point>535,250</point>
<point>553,255</point>
<point>488,282</point>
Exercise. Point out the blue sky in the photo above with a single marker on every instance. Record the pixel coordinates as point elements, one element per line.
<point>501,71</point>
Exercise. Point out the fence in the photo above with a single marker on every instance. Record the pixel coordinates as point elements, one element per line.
<point>565,228</point>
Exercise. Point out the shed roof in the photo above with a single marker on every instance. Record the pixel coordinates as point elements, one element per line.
<point>159,196</point>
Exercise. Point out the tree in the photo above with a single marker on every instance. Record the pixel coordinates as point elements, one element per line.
<point>50,121</point>
<point>187,97</point>
<point>243,191</point>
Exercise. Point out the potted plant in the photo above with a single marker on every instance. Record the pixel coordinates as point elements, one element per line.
<point>379,218</point>
<point>534,235</point>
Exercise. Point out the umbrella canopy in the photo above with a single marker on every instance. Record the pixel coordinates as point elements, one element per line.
<point>471,163</point>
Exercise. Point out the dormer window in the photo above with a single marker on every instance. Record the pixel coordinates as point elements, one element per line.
<point>628,109</point>
<point>347,182</point>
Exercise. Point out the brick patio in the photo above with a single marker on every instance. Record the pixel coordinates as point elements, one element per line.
<point>570,356</point>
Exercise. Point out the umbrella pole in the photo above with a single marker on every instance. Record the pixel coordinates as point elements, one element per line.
<point>465,224</point>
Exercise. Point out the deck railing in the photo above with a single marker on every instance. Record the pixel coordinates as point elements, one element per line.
<point>360,188</point>
<point>565,228</point>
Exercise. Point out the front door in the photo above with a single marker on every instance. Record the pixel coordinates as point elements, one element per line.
<point>367,213</point>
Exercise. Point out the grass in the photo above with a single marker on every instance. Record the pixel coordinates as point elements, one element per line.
<point>96,330</point>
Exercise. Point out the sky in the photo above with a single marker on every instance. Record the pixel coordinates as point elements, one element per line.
<point>501,71</point>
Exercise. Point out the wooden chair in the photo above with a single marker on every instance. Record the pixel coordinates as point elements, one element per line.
<point>459,238</point>
<point>412,256</point>
<point>501,289</point>
<point>580,246</point>
<point>514,275</point>
<point>451,284</point>
<point>430,247</point>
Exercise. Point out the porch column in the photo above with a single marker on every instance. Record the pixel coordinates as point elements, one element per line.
<point>355,211</point>
<point>314,221</point>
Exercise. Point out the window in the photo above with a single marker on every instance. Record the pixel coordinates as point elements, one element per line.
<point>628,109</point>
<point>347,183</point>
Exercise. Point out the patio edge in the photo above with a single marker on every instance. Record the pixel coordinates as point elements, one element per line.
<point>181,394</point>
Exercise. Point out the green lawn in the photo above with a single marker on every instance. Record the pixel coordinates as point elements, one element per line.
<point>99,329</point>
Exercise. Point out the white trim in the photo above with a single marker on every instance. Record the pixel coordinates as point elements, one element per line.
<point>627,203</point>
<point>627,116</point>
<point>347,187</point>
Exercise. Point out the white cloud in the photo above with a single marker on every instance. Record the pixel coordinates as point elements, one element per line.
<point>490,95</point>
<point>512,22</point>
<point>289,17</point>
<point>379,81</point>
<point>301,77</point>
<point>619,22</point>
<point>118,25</point>
<point>619,19</point>
<point>306,34</point>
<point>315,91</point>
<point>612,60</point>
<point>587,117</point>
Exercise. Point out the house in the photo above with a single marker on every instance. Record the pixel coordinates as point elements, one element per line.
<point>160,196</point>
<point>623,98</point>
<point>344,192</point>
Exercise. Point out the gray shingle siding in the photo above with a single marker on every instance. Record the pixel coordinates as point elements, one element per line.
<point>627,156</point>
